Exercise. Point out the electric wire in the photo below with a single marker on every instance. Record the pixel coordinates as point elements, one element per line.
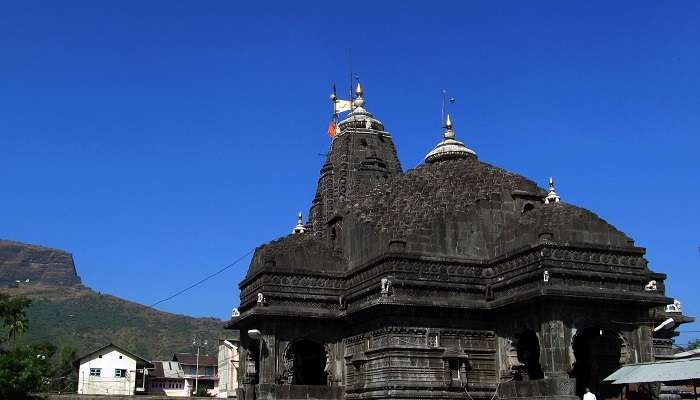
<point>239,259</point>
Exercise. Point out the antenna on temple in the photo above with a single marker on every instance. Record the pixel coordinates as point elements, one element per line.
<point>442,113</point>
<point>451,100</point>
<point>351,74</point>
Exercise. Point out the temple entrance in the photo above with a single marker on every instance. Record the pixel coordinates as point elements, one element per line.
<point>597,352</point>
<point>305,363</point>
<point>528,350</point>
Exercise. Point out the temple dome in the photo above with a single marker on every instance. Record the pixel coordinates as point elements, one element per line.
<point>359,117</point>
<point>449,148</point>
<point>467,208</point>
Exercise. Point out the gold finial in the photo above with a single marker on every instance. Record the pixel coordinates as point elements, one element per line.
<point>358,90</point>
<point>448,123</point>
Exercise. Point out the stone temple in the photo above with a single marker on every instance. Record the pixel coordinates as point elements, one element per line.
<point>453,280</point>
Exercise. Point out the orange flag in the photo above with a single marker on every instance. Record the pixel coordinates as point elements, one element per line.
<point>332,129</point>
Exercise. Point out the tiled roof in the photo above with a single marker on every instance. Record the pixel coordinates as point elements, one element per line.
<point>191,359</point>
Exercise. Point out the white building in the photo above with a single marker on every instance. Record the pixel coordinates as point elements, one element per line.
<point>111,370</point>
<point>228,367</point>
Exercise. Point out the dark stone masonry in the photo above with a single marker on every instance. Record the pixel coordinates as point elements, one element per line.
<point>453,280</point>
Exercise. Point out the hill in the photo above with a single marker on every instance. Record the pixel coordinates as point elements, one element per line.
<point>86,320</point>
<point>64,312</point>
<point>20,262</point>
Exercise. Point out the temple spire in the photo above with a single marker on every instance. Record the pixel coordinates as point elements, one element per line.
<point>300,228</point>
<point>552,196</point>
<point>449,147</point>
<point>359,117</point>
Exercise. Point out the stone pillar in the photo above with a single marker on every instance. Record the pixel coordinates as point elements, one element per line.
<point>268,359</point>
<point>554,349</point>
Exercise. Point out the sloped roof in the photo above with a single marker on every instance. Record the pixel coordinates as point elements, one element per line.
<point>660,371</point>
<point>191,359</point>
<point>167,370</point>
<point>295,250</point>
<point>121,349</point>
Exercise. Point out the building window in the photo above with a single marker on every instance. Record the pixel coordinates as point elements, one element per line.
<point>193,371</point>
<point>95,371</point>
<point>209,371</point>
<point>120,373</point>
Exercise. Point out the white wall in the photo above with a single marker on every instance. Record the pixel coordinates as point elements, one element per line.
<point>228,369</point>
<point>107,383</point>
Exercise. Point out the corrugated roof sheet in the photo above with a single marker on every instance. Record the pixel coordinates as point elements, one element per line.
<point>661,371</point>
<point>688,354</point>
<point>167,369</point>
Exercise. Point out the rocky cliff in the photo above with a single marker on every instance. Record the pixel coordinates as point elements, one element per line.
<point>38,264</point>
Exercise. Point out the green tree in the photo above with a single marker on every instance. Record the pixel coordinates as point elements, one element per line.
<point>693,344</point>
<point>23,369</point>
<point>13,312</point>
<point>63,374</point>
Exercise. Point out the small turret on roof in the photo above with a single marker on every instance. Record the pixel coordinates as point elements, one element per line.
<point>300,228</point>
<point>449,148</point>
<point>552,196</point>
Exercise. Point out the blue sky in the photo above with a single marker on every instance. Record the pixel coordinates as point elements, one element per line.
<point>159,141</point>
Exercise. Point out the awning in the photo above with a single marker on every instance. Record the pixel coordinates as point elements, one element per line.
<point>660,371</point>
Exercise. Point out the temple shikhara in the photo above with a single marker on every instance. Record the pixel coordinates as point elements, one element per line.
<point>453,280</point>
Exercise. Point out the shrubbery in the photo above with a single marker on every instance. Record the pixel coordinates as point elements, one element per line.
<point>29,368</point>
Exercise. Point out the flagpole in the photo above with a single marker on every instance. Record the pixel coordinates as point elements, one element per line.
<point>350,66</point>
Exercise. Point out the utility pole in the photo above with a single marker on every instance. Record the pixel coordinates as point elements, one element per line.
<point>196,342</point>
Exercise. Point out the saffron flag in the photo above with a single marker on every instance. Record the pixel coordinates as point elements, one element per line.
<point>341,105</point>
<point>332,129</point>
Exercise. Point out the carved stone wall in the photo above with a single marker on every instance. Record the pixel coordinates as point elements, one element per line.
<point>412,360</point>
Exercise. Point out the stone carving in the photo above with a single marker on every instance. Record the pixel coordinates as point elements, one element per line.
<point>545,276</point>
<point>235,313</point>
<point>650,287</point>
<point>328,368</point>
<point>261,299</point>
<point>675,307</point>
<point>288,374</point>
<point>386,286</point>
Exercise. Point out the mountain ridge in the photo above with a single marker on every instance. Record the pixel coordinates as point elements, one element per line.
<point>23,262</point>
<point>65,312</point>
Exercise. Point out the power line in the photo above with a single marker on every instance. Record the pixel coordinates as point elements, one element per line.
<point>239,259</point>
